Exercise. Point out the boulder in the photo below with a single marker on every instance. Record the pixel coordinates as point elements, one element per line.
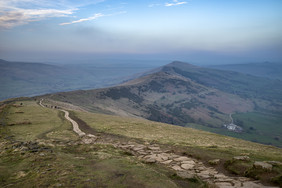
<point>181,159</point>
<point>274,163</point>
<point>241,158</point>
<point>263,165</point>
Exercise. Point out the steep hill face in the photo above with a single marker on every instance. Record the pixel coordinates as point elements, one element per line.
<point>243,85</point>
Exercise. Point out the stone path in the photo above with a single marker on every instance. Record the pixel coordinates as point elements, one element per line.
<point>184,166</point>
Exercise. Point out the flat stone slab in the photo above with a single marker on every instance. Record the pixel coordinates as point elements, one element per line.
<point>138,148</point>
<point>181,159</point>
<point>153,147</point>
<point>187,166</point>
<point>250,184</point>
<point>150,160</point>
<point>177,168</point>
<point>220,176</point>
<point>167,162</point>
<point>164,156</point>
<point>189,162</point>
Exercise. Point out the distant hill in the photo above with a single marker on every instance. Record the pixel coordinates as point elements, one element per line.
<point>266,69</point>
<point>187,95</point>
<point>19,79</point>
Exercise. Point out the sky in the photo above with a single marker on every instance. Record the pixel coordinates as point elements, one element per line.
<point>197,31</point>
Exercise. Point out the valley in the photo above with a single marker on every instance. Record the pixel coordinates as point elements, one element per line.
<point>23,79</point>
<point>190,96</point>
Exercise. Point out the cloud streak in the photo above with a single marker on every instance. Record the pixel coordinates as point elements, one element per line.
<point>98,15</point>
<point>175,3</point>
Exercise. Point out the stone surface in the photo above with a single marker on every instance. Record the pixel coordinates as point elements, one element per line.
<point>181,159</point>
<point>275,163</point>
<point>241,158</point>
<point>153,147</point>
<point>177,168</point>
<point>150,160</point>
<point>224,185</point>
<point>214,162</point>
<point>166,162</point>
<point>263,165</point>
<point>187,166</point>
<point>185,175</point>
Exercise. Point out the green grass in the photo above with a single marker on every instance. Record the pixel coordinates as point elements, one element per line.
<point>257,127</point>
<point>200,142</point>
<point>79,166</point>
<point>42,122</point>
<point>68,166</point>
<point>261,127</point>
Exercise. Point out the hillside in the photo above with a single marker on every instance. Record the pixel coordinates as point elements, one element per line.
<point>191,96</point>
<point>266,69</point>
<point>40,148</point>
<point>19,79</point>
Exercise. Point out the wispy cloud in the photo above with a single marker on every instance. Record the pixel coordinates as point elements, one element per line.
<point>175,3</point>
<point>23,16</point>
<point>14,12</point>
<point>96,16</point>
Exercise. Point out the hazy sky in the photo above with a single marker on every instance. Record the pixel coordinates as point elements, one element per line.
<point>199,31</point>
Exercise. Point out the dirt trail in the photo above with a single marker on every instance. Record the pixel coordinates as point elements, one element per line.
<point>184,166</point>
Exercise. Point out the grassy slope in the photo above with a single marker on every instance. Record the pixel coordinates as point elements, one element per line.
<point>258,127</point>
<point>209,143</point>
<point>42,121</point>
<point>261,127</point>
<point>67,166</point>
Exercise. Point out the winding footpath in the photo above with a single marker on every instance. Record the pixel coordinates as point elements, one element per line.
<point>184,166</point>
<point>74,124</point>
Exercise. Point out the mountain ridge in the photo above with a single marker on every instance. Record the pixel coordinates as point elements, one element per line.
<point>183,94</point>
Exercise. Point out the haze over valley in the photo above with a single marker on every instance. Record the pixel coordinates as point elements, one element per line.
<point>153,93</point>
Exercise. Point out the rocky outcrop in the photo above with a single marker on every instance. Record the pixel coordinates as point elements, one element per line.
<point>241,158</point>
<point>263,165</point>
